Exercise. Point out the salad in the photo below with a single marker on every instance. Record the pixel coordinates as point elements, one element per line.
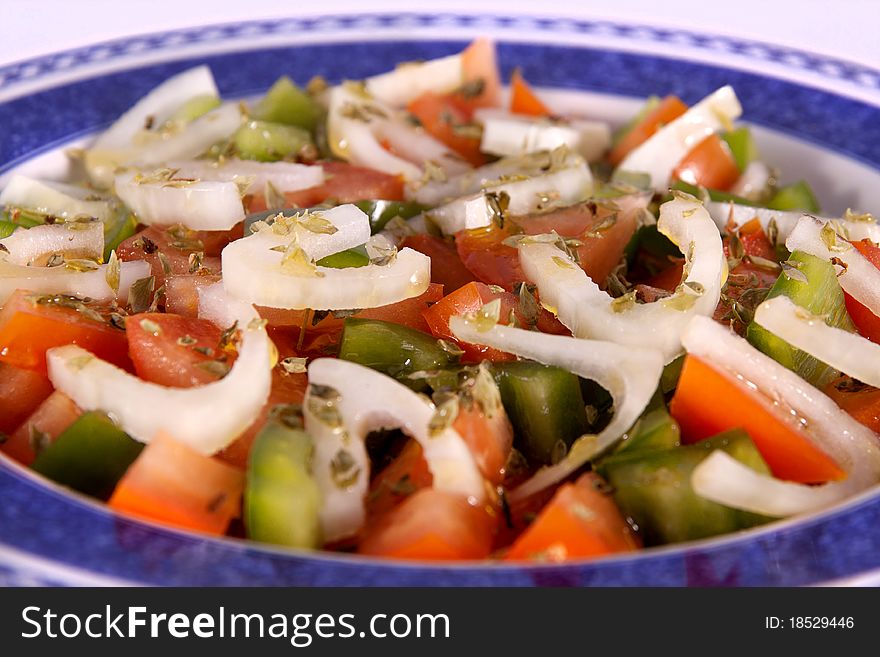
<point>421,316</point>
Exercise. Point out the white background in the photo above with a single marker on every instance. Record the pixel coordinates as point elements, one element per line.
<point>846,28</point>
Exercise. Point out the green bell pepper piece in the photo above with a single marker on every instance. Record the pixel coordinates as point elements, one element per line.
<point>269,142</point>
<point>356,257</point>
<point>90,456</point>
<point>742,146</point>
<point>281,499</point>
<point>287,103</point>
<point>797,196</point>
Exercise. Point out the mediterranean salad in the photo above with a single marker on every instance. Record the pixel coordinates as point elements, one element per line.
<point>427,316</point>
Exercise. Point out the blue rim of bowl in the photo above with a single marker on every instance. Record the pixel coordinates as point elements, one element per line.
<point>45,522</point>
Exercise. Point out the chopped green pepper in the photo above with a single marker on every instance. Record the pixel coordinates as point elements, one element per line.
<point>742,146</point>
<point>7,228</point>
<point>356,257</point>
<point>797,196</point>
<point>545,406</point>
<point>287,103</point>
<point>811,283</point>
<point>268,142</point>
<point>398,351</point>
<point>654,431</point>
<point>381,212</point>
<point>281,499</point>
<point>117,231</point>
<point>654,489</point>
<point>90,456</point>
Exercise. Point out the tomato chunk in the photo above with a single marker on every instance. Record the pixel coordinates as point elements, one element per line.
<point>709,164</point>
<point>344,183</point>
<point>431,525</point>
<point>782,441</point>
<point>30,324</point>
<point>447,268</point>
<point>446,117</point>
<point>176,485</point>
<point>182,292</point>
<point>523,99</point>
<point>47,422</point>
<point>669,109</point>
<point>405,475</point>
<point>866,321</point>
<point>859,400</point>
<point>21,391</point>
<point>580,521</point>
<point>176,351</point>
<point>179,249</point>
<point>489,438</point>
<point>480,64</point>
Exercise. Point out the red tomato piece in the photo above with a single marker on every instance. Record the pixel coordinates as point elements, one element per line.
<point>177,248</point>
<point>523,99</point>
<point>173,484</point>
<point>182,292</point>
<point>173,350</point>
<point>709,164</point>
<point>30,324</point>
<point>480,64</point>
<point>444,117</point>
<point>469,299</point>
<point>21,392</point>
<point>344,183</point>
<point>669,109</point>
<point>446,266</point>
<point>859,400</point>
<point>581,521</point>
<point>866,321</point>
<point>490,439</point>
<point>431,525</point>
<point>49,420</point>
<point>779,437</point>
<point>405,475</point>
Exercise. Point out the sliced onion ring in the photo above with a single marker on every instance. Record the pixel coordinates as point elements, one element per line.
<point>363,400</point>
<point>72,240</point>
<point>207,417</point>
<point>722,479</point>
<point>570,184</point>
<point>848,352</point>
<point>411,79</point>
<point>629,373</point>
<point>852,445</point>
<point>591,313</point>
<point>55,199</point>
<point>62,280</point>
<point>284,176</point>
<point>198,204</point>
<point>860,279</point>
<point>660,154</point>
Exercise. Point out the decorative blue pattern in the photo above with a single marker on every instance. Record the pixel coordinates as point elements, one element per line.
<point>40,521</point>
<point>68,61</point>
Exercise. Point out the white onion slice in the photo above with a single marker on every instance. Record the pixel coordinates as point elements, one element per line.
<point>848,352</point>
<point>418,146</point>
<point>660,154</point>
<point>61,280</point>
<point>207,417</point>
<point>199,205</point>
<point>860,279</point>
<point>851,444</point>
<point>753,182</point>
<point>630,374</point>
<point>410,80</point>
<point>564,186</point>
<point>591,313</point>
<point>158,105</point>
<point>722,479</point>
<point>435,192</point>
<point>263,282</point>
<point>72,240</point>
<point>785,222</point>
<point>194,139</point>
<point>368,400</point>
<point>354,139</point>
<point>55,199</point>
<point>506,134</point>
<point>284,176</point>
